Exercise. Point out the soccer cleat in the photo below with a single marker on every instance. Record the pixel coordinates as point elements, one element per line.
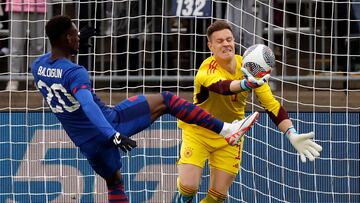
<point>239,128</point>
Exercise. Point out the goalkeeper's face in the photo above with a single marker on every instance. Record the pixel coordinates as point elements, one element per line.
<point>222,45</point>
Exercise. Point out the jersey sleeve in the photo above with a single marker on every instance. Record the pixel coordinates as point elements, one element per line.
<point>93,112</point>
<point>79,79</point>
<point>267,99</point>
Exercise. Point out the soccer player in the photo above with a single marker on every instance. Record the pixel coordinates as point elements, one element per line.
<point>99,130</point>
<point>221,88</point>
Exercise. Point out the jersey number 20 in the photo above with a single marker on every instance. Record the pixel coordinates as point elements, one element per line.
<point>54,91</point>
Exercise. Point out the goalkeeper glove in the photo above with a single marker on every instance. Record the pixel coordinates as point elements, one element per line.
<point>124,143</point>
<point>250,82</point>
<point>304,144</point>
<point>84,34</point>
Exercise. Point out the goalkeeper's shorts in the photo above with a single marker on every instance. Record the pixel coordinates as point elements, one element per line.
<point>197,148</point>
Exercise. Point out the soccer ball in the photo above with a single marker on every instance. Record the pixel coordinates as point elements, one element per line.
<point>258,60</point>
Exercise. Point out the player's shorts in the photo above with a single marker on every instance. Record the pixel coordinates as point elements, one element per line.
<point>102,155</point>
<point>132,116</point>
<point>197,148</point>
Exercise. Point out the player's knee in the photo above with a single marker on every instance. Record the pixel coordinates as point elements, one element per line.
<point>186,192</point>
<point>167,96</point>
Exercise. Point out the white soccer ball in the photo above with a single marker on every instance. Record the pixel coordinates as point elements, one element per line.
<point>258,60</point>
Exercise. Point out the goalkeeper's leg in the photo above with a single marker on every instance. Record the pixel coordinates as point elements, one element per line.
<point>186,194</point>
<point>214,196</point>
<point>220,179</point>
<point>188,182</point>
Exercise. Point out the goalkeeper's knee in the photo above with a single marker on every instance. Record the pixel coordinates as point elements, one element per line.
<point>214,196</point>
<point>186,194</point>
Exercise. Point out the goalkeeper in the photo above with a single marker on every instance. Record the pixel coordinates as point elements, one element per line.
<point>99,130</point>
<point>222,88</point>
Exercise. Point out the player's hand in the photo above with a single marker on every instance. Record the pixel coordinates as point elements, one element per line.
<point>304,144</point>
<point>84,34</point>
<point>250,82</point>
<point>124,143</point>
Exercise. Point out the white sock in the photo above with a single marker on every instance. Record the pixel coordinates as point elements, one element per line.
<point>225,130</point>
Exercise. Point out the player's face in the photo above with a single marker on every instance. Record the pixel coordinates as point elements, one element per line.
<point>73,39</point>
<point>222,45</point>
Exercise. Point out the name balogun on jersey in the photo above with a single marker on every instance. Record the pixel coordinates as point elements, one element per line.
<point>54,91</point>
<point>50,72</point>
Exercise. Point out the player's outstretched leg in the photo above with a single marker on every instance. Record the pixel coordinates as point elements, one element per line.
<point>186,111</point>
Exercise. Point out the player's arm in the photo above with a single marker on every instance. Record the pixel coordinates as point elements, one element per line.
<point>79,82</point>
<point>222,86</point>
<point>93,112</point>
<point>215,82</point>
<point>248,83</point>
<point>303,143</point>
<point>95,115</point>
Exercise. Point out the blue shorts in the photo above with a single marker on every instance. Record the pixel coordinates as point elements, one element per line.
<point>132,116</point>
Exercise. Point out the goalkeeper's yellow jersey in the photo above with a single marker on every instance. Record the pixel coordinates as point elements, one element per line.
<point>224,107</point>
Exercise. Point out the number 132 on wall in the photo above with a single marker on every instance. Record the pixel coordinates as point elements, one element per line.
<point>191,8</point>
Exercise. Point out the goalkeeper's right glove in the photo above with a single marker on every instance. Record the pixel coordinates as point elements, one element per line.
<point>124,143</point>
<point>304,144</point>
<point>250,82</point>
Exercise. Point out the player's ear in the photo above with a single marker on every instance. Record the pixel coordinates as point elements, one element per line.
<point>209,44</point>
<point>68,38</point>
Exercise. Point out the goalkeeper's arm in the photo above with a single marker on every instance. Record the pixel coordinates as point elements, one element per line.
<point>227,87</point>
<point>303,143</point>
<point>248,83</point>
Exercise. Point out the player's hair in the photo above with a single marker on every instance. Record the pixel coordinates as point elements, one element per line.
<point>216,26</point>
<point>57,27</point>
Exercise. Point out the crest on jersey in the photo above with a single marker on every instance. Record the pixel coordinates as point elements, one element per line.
<point>188,152</point>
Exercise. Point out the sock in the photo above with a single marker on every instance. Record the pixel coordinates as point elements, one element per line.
<point>214,196</point>
<point>225,129</point>
<point>185,194</point>
<point>116,194</point>
<point>190,113</point>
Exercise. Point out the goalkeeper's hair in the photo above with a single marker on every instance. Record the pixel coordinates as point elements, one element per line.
<point>217,26</point>
<point>57,27</point>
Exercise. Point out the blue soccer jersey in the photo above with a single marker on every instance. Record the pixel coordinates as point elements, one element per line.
<point>58,81</point>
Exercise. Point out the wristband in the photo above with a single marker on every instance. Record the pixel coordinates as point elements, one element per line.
<point>244,85</point>
<point>290,131</point>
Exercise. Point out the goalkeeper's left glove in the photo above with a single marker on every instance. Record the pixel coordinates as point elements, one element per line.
<point>84,34</point>
<point>304,144</point>
<point>250,82</point>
